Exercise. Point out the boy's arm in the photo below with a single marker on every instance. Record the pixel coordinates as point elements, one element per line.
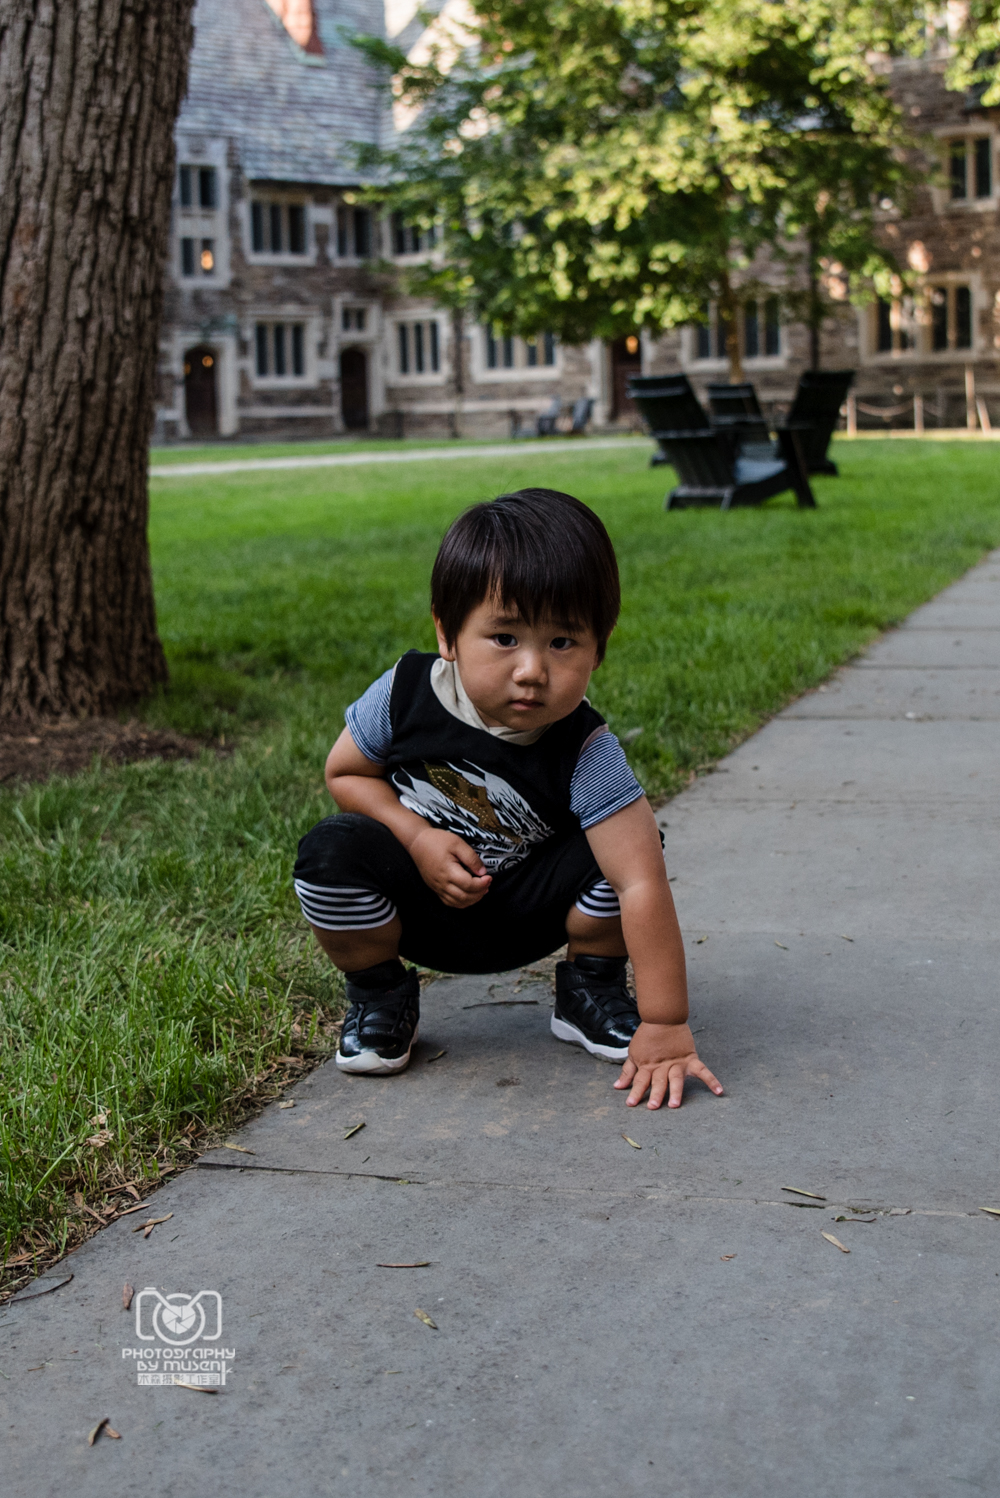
<point>447,864</point>
<point>627,848</point>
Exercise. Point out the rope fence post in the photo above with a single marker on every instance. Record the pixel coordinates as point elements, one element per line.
<point>984,415</point>
<point>970,398</point>
<point>852,415</point>
<point>918,414</point>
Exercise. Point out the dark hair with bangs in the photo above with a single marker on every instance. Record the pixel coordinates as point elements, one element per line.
<point>538,549</point>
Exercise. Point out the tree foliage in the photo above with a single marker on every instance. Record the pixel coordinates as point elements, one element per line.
<point>604,165</point>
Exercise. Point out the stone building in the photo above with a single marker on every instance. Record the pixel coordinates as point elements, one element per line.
<point>284,316</point>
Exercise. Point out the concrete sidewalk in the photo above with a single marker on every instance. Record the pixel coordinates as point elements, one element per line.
<point>663,1319</point>
<point>413,455</point>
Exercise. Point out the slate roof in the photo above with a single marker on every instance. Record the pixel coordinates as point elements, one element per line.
<point>292,120</point>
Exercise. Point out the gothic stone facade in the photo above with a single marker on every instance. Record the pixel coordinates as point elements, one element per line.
<point>284,317</point>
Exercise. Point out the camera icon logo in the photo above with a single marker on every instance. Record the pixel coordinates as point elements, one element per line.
<point>178,1319</point>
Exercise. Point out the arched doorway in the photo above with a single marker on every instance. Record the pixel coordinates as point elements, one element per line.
<point>354,389</point>
<point>626,360</point>
<point>200,405</point>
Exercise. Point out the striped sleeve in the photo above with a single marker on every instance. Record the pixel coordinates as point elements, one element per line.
<point>602,781</point>
<point>368,719</point>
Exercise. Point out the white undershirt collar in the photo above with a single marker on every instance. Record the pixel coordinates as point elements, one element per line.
<point>451,694</point>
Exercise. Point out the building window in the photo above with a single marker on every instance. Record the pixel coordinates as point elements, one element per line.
<point>419,347</point>
<point>354,232</point>
<point>411,239</point>
<point>506,352</point>
<point>761,322</point>
<point>198,187</point>
<point>280,349</point>
<point>353,319</point>
<point>197,255</point>
<point>951,317</point>
<point>970,168</point>
<point>278,228</point>
<point>895,326</point>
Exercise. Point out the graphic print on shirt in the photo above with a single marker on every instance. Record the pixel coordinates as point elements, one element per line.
<point>477,806</point>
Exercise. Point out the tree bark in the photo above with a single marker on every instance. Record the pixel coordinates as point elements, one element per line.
<point>729,316</point>
<point>815,307</point>
<point>89,93</point>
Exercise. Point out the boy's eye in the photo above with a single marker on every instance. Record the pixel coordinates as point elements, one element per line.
<point>562,642</point>
<point>505,639</point>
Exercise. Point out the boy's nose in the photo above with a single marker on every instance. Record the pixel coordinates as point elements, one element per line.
<point>529,668</point>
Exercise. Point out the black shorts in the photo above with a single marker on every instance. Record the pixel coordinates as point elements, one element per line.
<point>521,918</point>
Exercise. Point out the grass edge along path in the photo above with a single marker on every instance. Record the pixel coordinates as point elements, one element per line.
<point>157,982</point>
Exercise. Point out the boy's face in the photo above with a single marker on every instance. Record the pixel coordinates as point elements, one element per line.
<point>521,675</point>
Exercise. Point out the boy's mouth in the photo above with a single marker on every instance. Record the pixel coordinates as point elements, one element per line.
<point>525,704</point>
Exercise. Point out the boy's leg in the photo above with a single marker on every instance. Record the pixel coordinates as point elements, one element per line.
<point>341,888</point>
<point>594,1007</point>
<point>351,950</point>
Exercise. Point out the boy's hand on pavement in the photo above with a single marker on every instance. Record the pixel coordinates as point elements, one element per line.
<point>452,869</point>
<point>659,1059</point>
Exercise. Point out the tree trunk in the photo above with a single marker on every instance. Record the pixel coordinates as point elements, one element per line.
<point>815,308</point>
<point>89,92</point>
<point>729,317</point>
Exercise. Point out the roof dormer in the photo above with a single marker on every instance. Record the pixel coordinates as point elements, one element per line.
<point>299,19</point>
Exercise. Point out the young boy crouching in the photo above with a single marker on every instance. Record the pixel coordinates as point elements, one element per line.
<point>487,813</point>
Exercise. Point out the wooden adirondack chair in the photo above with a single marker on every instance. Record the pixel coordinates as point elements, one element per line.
<point>712,470</point>
<point>814,413</point>
<point>667,403</point>
<point>735,408</point>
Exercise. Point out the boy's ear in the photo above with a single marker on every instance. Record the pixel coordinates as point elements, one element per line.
<point>446,651</point>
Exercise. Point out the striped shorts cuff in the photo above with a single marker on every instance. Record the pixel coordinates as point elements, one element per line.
<point>599,900</point>
<point>339,908</point>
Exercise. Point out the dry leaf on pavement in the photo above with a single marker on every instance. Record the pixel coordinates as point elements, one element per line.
<point>127,1293</point>
<point>423,1316</point>
<point>726,1257</point>
<point>355,1129</point>
<point>238,1148</point>
<point>993,1211</point>
<point>197,1388</point>
<point>437,1057</point>
<point>836,1243</point>
<point>631,1142</point>
<point>147,1227</point>
<point>97,1431</point>
<point>289,1104</point>
<point>781,944</point>
<point>416,1264</point>
<point>797,1191</point>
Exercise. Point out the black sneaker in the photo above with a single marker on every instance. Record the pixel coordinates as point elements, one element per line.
<point>594,1007</point>
<point>380,1027</point>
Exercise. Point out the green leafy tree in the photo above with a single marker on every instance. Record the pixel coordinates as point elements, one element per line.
<point>601,167</point>
<point>976,52</point>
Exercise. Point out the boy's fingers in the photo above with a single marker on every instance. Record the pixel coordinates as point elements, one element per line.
<point>640,1087</point>
<point>658,1091</point>
<point>676,1085</point>
<point>628,1071</point>
<point>700,1070</point>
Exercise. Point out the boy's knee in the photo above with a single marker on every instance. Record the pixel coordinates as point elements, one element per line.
<point>338,843</point>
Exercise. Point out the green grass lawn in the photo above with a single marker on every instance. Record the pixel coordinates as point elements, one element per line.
<point>154,963</point>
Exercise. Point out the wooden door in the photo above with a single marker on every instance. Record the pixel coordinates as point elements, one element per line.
<point>354,389</point>
<point>626,360</point>
<point>200,405</point>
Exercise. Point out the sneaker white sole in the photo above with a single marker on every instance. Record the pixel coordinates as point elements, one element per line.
<point>562,1030</point>
<point>371,1064</point>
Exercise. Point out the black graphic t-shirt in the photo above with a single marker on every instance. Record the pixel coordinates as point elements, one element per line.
<point>503,799</point>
